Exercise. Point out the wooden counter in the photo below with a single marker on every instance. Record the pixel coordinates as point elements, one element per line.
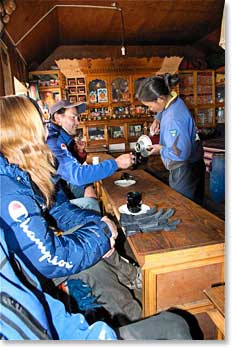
<point>176,265</point>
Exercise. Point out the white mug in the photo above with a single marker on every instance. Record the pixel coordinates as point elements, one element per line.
<point>95,160</point>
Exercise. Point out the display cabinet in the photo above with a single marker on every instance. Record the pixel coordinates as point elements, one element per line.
<point>197,89</point>
<point>114,131</point>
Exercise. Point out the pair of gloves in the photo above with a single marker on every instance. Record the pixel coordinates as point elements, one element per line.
<point>152,220</point>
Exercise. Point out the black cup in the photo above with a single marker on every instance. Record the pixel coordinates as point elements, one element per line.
<point>134,201</point>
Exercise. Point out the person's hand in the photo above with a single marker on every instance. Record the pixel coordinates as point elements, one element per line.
<point>125,160</point>
<point>109,253</point>
<point>113,237</point>
<point>80,145</point>
<point>90,192</point>
<point>112,226</point>
<point>155,127</point>
<point>154,149</point>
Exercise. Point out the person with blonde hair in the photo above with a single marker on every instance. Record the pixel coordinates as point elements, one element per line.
<point>55,238</point>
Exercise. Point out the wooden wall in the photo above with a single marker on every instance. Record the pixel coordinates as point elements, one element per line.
<point>18,66</point>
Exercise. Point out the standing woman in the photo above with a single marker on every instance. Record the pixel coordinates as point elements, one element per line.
<point>180,147</point>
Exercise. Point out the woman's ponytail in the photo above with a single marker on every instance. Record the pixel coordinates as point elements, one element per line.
<point>171,80</point>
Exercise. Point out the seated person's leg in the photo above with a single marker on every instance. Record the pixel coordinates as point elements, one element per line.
<point>87,204</point>
<point>128,274</point>
<point>85,198</point>
<point>78,192</point>
<point>114,297</point>
<point>163,326</point>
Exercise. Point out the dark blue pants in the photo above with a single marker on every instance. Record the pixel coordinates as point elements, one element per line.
<point>189,180</point>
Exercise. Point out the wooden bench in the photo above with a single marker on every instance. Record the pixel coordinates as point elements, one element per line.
<point>216,296</point>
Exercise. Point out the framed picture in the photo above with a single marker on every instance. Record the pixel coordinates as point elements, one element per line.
<point>82,98</point>
<point>102,95</point>
<point>80,90</point>
<point>72,90</point>
<point>73,99</point>
<point>81,81</point>
<point>71,81</point>
<point>34,90</point>
<point>93,97</point>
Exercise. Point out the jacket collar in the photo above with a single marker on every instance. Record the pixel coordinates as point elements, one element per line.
<point>12,170</point>
<point>55,129</point>
<point>173,98</point>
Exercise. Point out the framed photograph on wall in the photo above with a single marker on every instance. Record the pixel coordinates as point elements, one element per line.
<point>102,95</point>
<point>71,81</point>
<point>82,98</point>
<point>73,99</point>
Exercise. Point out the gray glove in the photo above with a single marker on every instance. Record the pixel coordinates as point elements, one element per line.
<point>149,221</point>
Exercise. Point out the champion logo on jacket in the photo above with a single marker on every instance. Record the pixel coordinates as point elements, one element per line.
<point>63,146</point>
<point>19,213</point>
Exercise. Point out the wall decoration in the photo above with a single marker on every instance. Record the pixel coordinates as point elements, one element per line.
<point>92,97</point>
<point>102,95</point>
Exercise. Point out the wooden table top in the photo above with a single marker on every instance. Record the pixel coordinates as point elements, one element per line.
<point>102,156</point>
<point>217,296</point>
<point>198,227</point>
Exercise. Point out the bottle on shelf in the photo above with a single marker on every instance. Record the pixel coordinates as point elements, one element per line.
<point>220,115</point>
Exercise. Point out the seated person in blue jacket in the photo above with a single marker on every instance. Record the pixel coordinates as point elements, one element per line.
<point>55,238</point>
<point>28,313</point>
<point>65,118</point>
<point>180,147</point>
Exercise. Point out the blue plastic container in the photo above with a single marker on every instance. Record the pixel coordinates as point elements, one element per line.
<point>217,178</point>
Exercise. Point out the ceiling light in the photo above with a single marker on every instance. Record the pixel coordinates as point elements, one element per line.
<point>123,50</point>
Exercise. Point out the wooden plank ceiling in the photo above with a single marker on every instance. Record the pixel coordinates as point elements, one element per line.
<point>147,23</point>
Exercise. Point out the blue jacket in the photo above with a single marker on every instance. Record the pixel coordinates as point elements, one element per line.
<point>27,313</point>
<point>30,232</point>
<point>178,135</point>
<point>69,168</point>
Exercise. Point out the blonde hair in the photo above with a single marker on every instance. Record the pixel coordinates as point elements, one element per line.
<point>23,141</point>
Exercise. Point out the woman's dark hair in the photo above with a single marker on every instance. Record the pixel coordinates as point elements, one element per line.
<point>151,88</point>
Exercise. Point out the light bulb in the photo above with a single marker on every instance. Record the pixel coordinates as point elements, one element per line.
<point>123,50</point>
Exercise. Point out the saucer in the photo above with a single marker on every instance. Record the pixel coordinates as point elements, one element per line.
<point>124,209</point>
<point>124,183</point>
